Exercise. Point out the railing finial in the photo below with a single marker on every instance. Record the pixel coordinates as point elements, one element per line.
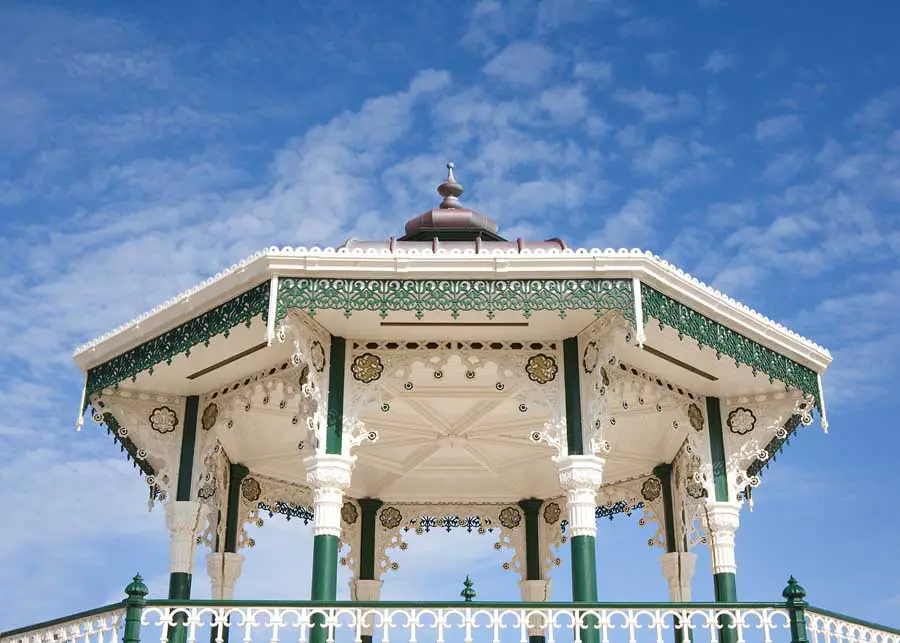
<point>795,595</point>
<point>136,593</point>
<point>468,592</point>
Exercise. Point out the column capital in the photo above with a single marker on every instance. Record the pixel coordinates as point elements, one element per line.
<point>329,476</point>
<point>678,569</point>
<point>721,521</point>
<point>581,476</point>
<point>365,591</point>
<point>183,518</point>
<point>580,472</point>
<point>223,568</point>
<point>535,591</point>
<point>329,470</point>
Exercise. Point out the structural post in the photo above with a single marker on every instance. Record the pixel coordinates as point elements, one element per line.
<point>796,604</point>
<point>677,565</point>
<point>723,514</point>
<point>581,476</point>
<point>365,587</point>
<point>328,475</point>
<point>225,564</point>
<point>535,589</point>
<point>183,515</point>
<point>136,598</point>
<point>722,518</point>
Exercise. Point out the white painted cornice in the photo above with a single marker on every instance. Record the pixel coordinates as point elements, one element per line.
<point>455,264</point>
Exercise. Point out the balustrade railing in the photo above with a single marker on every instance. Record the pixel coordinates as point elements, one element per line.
<point>137,620</point>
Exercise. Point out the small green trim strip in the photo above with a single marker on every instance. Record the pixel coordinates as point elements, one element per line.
<point>180,340</point>
<point>572,391</point>
<point>664,473</point>
<point>532,508</point>
<point>368,533</point>
<point>717,448</point>
<point>188,443</point>
<point>455,296</point>
<point>334,436</point>
<point>688,322</point>
<point>236,475</point>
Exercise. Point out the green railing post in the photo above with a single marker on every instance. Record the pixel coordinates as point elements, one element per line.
<point>136,593</point>
<point>794,594</point>
<point>468,593</point>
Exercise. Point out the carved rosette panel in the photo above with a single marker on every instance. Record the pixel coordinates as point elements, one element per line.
<point>394,521</point>
<point>211,489</point>
<point>263,495</point>
<point>642,494</point>
<point>755,428</point>
<point>380,371</point>
<point>552,533</point>
<point>283,386</point>
<point>311,349</point>
<point>154,424</point>
<point>690,477</point>
<point>351,525</point>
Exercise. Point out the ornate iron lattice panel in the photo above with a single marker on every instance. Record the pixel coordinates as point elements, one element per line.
<point>455,296</point>
<point>687,322</point>
<point>181,339</point>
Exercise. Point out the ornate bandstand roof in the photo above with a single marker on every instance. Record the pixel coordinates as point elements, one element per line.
<point>454,356</point>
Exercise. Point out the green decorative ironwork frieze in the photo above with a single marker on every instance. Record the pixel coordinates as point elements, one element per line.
<point>243,309</point>
<point>455,296</point>
<point>689,323</point>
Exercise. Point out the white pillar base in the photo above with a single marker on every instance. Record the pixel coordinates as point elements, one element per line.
<point>365,591</point>
<point>721,521</point>
<point>224,568</point>
<point>535,591</point>
<point>184,519</point>
<point>678,569</point>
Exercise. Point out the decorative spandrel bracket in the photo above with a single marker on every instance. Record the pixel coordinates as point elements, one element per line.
<point>149,428</point>
<point>262,495</point>
<point>756,428</point>
<point>395,521</point>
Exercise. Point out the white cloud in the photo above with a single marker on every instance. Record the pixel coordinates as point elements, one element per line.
<point>878,110</point>
<point>662,154</point>
<point>597,71</point>
<point>778,128</point>
<point>564,104</point>
<point>784,166</point>
<point>719,61</point>
<point>521,64</point>
<point>643,27</point>
<point>658,107</point>
<point>660,61</point>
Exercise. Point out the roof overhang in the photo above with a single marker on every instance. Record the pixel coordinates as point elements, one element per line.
<point>649,269</point>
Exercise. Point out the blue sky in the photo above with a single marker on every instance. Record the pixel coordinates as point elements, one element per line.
<point>146,147</point>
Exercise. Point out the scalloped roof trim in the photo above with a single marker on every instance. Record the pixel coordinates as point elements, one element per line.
<point>315,251</point>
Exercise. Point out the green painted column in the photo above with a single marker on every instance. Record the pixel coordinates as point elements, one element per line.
<point>180,582</point>
<point>722,519</point>
<point>228,545</point>
<point>724,577</point>
<point>675,564</point>
<point>531,509</point>
<point>367,533</point>
<point>580,475</point>
<point>329,474</point>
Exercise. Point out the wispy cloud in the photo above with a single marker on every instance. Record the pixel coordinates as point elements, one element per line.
<point>719,61</point>
<point>521,63</point>
<point>778,128</point>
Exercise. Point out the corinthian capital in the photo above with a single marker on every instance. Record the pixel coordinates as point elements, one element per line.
<point>581,476</point>
<point>721,521</point>
<point>329,477</point>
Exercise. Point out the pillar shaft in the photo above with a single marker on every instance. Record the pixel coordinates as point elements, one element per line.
<point>181,556</point>
<point>581,476</point>
<point>722,516</point>
<point>534,588</point>
<point>329,477</point>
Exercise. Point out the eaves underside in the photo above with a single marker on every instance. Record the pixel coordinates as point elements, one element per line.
<point>256,273</point>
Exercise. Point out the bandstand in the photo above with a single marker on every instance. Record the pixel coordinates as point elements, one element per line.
<point>451,378</point>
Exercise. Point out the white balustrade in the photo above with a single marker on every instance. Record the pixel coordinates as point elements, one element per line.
<point>823,627</point>
<point>93,627</point>
<point>416,624</point>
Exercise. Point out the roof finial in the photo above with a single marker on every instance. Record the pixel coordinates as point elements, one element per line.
<point>450,190</point>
